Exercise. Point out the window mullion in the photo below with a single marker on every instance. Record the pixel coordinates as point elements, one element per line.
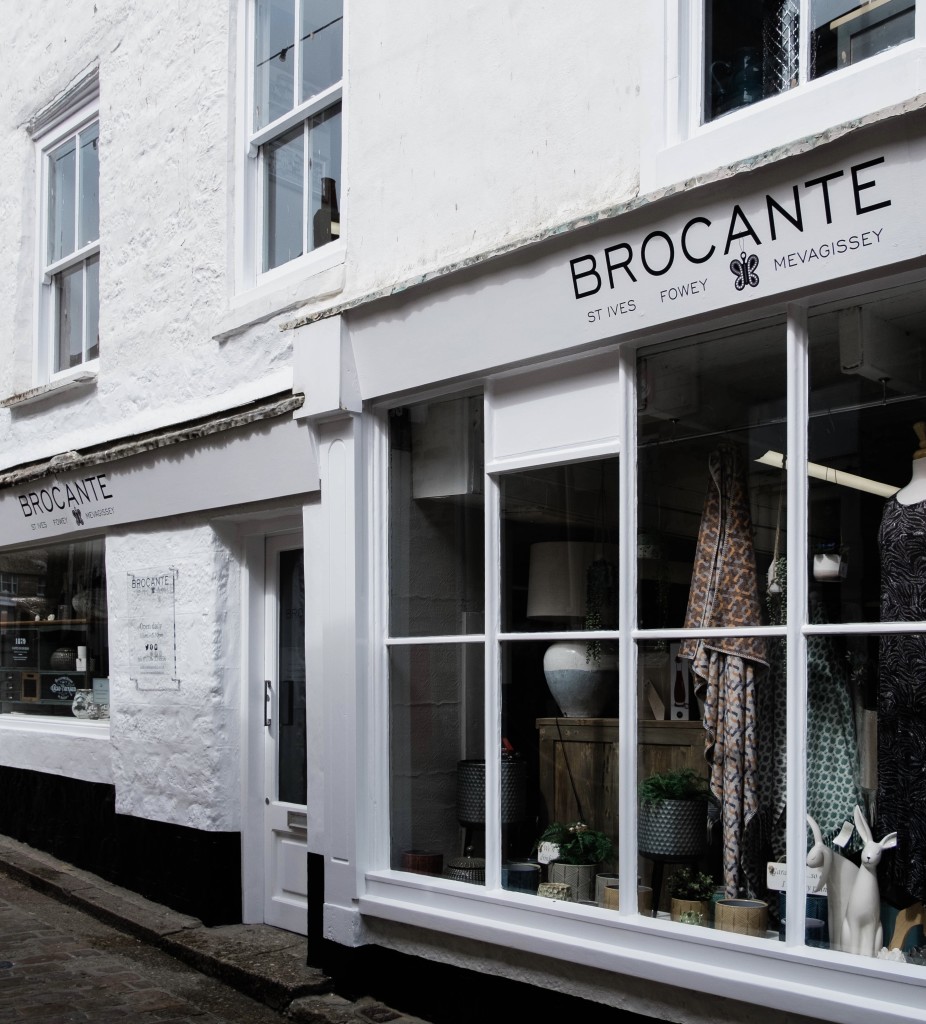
<point>627,616</point>
<point>493,695</point>
<point>806,28</point>
<point>796,659</point>
<point>306,185</point>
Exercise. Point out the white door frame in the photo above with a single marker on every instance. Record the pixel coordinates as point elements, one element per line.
<point>254,536</point>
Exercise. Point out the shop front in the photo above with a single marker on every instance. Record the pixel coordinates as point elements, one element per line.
<point>152,657</point>
<point>646,530</point>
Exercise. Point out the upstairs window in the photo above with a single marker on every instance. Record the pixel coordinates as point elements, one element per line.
<point>295,126</point>
<point>71,246</point>
<point>757,50</point>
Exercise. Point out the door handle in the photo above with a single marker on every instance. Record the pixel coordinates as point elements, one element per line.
<point>268,697</point>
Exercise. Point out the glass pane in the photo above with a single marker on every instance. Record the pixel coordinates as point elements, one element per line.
<point>711,430</point>
<point>69,299</point>
<point>89,215</point>
<point>322,39</point>
<point>93,308</point>
<point>62,184</point>
<point>325,149</point>
<point>845,33</point>
<point>274,60</point>
<point>284,183</point>
<point>54,630</point>
<point>867,388</point>
<point>750,52</point>
<point>437,758</point>
<point>681,869</point>
<point>291,744</point>
<point>559,548</point>
<point>560,778</point>
<point>436,531</point>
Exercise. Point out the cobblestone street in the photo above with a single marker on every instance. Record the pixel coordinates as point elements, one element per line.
<point>59,965</point>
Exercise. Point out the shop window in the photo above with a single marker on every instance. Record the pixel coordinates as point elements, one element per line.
<point>436,543</point>
<point>757,50</point>
<point>54,649</point>
<point>777,472</point>
<point>70,284</point>
<point>294,137</point>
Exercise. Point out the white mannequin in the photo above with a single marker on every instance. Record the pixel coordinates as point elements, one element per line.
<point>915,490</point>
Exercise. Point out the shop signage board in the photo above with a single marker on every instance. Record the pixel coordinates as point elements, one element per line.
<point>841,210</point>
<point>254,464</point>
<point>152,628</point>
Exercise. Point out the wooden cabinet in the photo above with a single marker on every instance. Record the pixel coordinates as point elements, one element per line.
<point>579,764</point>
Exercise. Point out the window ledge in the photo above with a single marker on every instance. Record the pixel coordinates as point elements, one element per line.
<point>78,379</point>
<point>832,986</point>
<point>55,725</point>
<point>318,276</point>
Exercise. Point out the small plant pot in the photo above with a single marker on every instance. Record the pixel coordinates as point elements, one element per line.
<point>579,877</point>
<point>612,898</point>
<point>673,828</point>
<point>745,917</point>
<point>689,907</point>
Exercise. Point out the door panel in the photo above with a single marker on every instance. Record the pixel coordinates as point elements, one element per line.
<point>285,889</point>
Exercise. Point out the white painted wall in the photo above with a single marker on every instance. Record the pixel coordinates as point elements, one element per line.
<point>176,753</point>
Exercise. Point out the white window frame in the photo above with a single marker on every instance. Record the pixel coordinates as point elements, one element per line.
<point>71,122</point>
<point>788,976</point>
<point>249,273</point>
<point>679,147</point>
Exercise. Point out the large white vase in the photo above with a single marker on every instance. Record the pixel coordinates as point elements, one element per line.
<point>581,688</point>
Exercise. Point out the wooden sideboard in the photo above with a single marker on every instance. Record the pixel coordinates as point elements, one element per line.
<point>586,749</point>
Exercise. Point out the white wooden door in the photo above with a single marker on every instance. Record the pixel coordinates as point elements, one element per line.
<point>284,725</point>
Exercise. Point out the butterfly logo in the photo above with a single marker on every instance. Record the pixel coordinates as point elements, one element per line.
<point>744,269</point>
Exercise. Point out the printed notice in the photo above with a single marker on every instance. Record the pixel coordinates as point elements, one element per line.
<point>152,629</point>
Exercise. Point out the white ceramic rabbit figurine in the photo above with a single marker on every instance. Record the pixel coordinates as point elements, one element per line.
<point>861,928</point>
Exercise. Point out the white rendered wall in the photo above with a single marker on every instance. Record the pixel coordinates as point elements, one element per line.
<point>480,123</point>
<point>166,114</point>
<point>176,753</point>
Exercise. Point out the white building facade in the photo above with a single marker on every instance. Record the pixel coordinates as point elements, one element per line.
<point>360,364</point>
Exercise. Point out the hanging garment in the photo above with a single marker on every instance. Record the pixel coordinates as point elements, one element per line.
<point>724,592</point>
<point>833,786</point>
<point>901,801</point>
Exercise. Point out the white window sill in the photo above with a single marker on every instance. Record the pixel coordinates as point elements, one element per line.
<point>56,725</point>
<point>315,277</point>
<point>804,115</point>
<point>80,377</point>
<point>806,981</point>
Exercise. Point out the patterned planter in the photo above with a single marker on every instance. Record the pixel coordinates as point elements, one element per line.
<point>691,907</point>
<point>673,828</point>
<point>579,877</point>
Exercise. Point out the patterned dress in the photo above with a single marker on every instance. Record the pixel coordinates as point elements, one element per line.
<point>901,804</point>
<point>724,592</point>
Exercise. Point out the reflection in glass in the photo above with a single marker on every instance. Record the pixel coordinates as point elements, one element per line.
<point>52,604</point>
<point>284,181</point>
<point>436,538</point>
<point>846,32</point>
<point>62,187</point>
<point>436,746</point>
<point>292,784</point>
<point>322,39</point>
<point>867,386</point>
<point>274,60</point>
<point>325,148</point>
<point>698,400</point>
<point>92,327</point>
<point>69,300</point>
<point>89,215</point>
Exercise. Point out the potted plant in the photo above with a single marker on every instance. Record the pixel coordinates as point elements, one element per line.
<point>574,852</point>
<point>673,814</point>
<point>690,892</point>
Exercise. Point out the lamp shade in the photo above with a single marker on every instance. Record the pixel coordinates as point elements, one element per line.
<point>556,585</point>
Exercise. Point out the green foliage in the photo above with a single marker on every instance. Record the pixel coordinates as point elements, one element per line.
<point>578,844</point>
<point>677,784</point>
<point>685,884</point>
